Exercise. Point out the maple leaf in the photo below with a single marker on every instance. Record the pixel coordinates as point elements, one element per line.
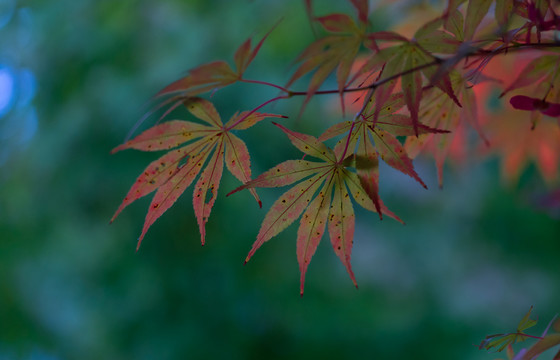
<point>173,173</point>
<point>439,111</point>
<point>214,75</point>
<point>336,51</point>
<point>501,341</point>
<point>330,208</point>
<point>408,62</point>
<point>541,70</point>
<point>518,142</point>
<point>383,131</point>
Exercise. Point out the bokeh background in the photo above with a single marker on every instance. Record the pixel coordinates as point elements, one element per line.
<point>75,76</point>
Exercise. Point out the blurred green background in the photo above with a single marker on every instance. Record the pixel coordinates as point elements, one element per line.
<point>74,78</point>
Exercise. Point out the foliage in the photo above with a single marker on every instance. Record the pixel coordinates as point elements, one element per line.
<point>545,342</point>
<point>415,96</point>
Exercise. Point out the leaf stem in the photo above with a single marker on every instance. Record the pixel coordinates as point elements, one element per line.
<point>281,88</point>
<point>358,114</point>
<point>529,336</point>
<point>241,119</point>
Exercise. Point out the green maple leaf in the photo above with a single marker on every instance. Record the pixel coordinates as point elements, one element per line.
<point>409,63</point>
<point>322,195</point>
<point>378,137</point>
<point>173,173</point>
<point>501,341</point>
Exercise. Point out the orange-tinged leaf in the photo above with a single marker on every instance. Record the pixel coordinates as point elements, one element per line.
<point>171,179</point>
<point>342,73</point>
<point>509,352</point>
<point>534,72</point>
<point>207,186</point>
<point>166,136</point>
<point>201,79</point>
<point>390,149</point>
<point>443,82</point>
<point>214,75</point>
<point>336,177</point>
<point>250,119</point>
<point>375,62</point>
<point>284,174</point>
<point>204,110</point>
<point>169,192</point>
<point>511,136</point>
<point>392,104</point>
<point>329,53</point>
<point>347,144</point>
<point>311,229</point>
<point>393,67</point>
<point>470,113</point>
<point>341,224</point>
<point>238,161</point>
<point>157,173</point>
<point>393,153</point>
<point>338,23</point>
<point>541,346</point>
<point>244,56</point>
<point>335,130</point>
<point>286,210</point>
<point>362,198</point>
<point>439,111</point>
<point>308,144</point>
<point>326,67</point>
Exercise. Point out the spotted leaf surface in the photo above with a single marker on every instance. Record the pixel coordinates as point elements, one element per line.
<point>175,171</point>
<point>322,196</point>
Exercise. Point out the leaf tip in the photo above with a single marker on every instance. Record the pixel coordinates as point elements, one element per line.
<point>117,149</point>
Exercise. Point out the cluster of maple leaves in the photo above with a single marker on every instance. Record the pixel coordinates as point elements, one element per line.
<point>410,96</point>
<point>546,341</point>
